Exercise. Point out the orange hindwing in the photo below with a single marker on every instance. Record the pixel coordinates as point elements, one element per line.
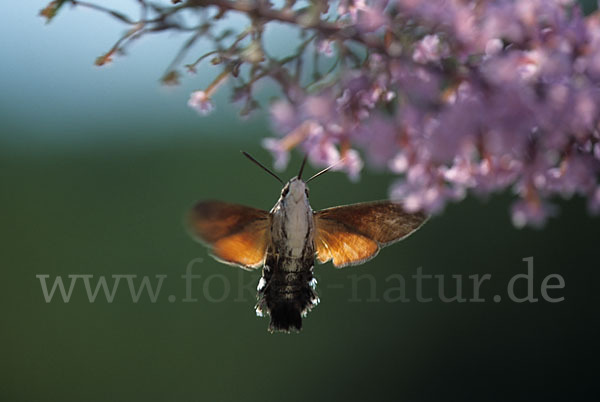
<point>353,234</point>
<point>237,234</point>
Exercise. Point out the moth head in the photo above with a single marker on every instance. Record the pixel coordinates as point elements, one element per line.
<point>295,191</point>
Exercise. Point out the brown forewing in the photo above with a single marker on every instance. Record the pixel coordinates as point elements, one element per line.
<point>352,234</point>
<point>237,234</point>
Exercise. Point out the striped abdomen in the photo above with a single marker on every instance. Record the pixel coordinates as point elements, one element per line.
<point>287,290</point>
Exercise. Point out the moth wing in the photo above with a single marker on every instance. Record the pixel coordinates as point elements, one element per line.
<point>335,240</point>
<point>237,234</point>
<point>353,234</point>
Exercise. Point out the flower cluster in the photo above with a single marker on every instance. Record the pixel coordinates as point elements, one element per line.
<point>453,96</point>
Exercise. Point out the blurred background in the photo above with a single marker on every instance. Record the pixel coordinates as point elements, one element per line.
<point>99,166</point>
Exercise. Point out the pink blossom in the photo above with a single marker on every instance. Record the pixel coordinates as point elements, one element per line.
<point>531,213</point>
<point>452,96</point>
<point>594,201</point>
<point>279,151</point>
<point>325,47</point>
<point>428,49</point>
<point>200,102</point>
<point>352,164</point>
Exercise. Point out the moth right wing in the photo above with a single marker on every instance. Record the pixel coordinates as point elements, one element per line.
<point>237,234</point>
<point>336,241</point>
<point>353,234</point>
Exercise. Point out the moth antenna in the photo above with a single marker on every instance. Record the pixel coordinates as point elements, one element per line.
<point>247,155</point>
<point>302,167</point>
<point>327,169</point>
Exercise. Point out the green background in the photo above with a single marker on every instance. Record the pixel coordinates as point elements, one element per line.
<point>98,170</point>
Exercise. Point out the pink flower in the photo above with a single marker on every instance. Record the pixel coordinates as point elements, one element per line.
<point>280,153</point>
<point>280,148</point>
<point>284,117</point>
<point>428,49</point>
<point>325,47</point>
<point>200,102</point>
<point>378,139</point>
<point>352,164</point>
<point>531,213</point>
<point>594,201</point>
<point>430,199</point>
<point>323,154</point>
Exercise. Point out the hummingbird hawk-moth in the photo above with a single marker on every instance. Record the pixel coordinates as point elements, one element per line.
<point>286,240</point>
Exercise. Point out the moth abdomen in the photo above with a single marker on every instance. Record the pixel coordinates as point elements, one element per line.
<point>287,297</point>
<point>285,316</point>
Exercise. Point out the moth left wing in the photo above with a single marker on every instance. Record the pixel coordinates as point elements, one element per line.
<point>237,234</point>
<point>353,234</point>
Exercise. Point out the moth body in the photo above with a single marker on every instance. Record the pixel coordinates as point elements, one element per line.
<point>287,292</point>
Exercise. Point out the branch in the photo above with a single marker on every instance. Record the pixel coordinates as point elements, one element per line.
<point>302,19</point>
